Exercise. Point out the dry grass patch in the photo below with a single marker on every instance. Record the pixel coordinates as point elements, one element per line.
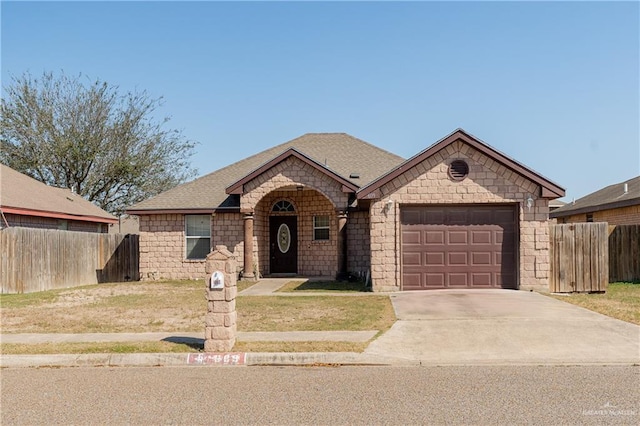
<point>95,348</point>
<point>107,308</point>
<point>314,313</point>
<point>300,347</point>
<point>621,301</point>
<point>181,306</point>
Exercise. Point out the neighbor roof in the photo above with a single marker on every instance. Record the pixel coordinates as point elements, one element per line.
<point>611,197</point>
<point>21,194</point>
<point>342,155</point>
<point>548,189</point>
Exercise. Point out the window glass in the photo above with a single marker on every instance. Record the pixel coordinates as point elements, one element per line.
<point>198,236</point>
<point>283,206</point>
<point>320,228</point>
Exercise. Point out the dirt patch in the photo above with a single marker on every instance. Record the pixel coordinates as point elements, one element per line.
<point>112,308</point>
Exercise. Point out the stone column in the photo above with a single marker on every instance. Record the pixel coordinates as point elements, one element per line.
<point>342,244</point>
<point>248,248</point>
<point>220,320</point>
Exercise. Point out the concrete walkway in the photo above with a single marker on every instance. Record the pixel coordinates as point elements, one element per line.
<point>266,286</point>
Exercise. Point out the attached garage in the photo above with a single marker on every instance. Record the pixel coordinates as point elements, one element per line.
<point>462,246</point>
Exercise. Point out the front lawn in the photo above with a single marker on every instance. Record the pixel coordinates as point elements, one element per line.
<point>175,306</point>
<point>621,301</point>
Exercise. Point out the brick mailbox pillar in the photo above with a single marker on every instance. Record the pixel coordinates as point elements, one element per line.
<point>220,321</point>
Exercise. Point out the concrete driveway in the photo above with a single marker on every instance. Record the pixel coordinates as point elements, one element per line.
<point>503,327</point>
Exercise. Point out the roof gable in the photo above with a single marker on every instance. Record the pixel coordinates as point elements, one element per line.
<point>610,197</point>
<point>548,189</point>
<point>21,194</point>
<point>238,186</point>
<point>340,153</point>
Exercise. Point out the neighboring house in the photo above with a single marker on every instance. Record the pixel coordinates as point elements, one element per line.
<point>555,205</point>
<point>617,204</point>
<point>126,224</point>
<point>457,215</point>
<point>26,202</point>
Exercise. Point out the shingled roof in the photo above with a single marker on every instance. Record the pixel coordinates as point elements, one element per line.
<point>21,194</point>
<point>611,197</point>
<point>342,154</point>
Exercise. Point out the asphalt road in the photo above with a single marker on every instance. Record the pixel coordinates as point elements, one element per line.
<point>322,395</point>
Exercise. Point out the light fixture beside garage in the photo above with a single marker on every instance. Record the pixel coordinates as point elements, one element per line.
<point>529,202</point>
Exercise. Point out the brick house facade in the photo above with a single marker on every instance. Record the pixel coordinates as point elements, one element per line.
<point>299,209</point>
<point>617,204</point>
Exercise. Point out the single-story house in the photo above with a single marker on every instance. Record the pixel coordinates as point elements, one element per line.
<point>26,202</point>
<point>459,214</point>
<point>617,204</point>
<point>555,205</point>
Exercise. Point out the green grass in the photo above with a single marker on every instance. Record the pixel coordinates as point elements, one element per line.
<point>29,299</point>
<point>324,286</point>
<point>621,301</point>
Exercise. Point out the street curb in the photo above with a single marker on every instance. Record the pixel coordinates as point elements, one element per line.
<point>235,359</point>
<point>192,359</point>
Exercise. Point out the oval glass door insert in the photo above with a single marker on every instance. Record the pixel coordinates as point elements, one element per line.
<point>284,238</point>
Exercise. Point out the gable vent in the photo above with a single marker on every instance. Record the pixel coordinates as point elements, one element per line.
<point>458,170</point>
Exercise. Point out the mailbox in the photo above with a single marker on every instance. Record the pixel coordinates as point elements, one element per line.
<point>217,281</point>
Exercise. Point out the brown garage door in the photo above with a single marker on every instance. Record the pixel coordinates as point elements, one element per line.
<point>458,247</point>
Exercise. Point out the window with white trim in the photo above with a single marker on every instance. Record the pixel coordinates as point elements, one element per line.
<point>320,228</point>
<point>198,235</point>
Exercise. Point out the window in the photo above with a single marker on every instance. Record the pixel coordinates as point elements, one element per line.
<point>320,228</point>
<point>198,233</point>
<point>589,217</point>
<point>283,206</point>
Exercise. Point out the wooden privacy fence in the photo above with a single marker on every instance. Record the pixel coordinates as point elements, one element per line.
<point>624,253</point>
<point>44,259</point>
<point>579,254</point>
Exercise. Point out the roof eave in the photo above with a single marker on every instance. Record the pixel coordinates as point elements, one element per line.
<point>592,209</point>
<point>57,215</point>
<point>548,189</point>
<point>238,186</point>
<point>207,210</point>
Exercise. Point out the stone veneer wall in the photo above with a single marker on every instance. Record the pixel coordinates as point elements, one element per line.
<point>162,249</point>
<point>487,182</point>
<point>315,258</point>
<point>291,172</point>
<point>622,216</point>
<point>358,242</point>
<point>228,230</point>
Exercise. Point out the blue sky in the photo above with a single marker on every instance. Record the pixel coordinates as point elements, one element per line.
<point>553,85</point>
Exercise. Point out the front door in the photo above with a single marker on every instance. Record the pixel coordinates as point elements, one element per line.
<point>283,239</point>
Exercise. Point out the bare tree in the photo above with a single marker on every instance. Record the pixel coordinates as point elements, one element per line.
<point>89,138</point>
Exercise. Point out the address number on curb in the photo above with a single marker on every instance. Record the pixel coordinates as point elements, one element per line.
<point>230,358</point>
